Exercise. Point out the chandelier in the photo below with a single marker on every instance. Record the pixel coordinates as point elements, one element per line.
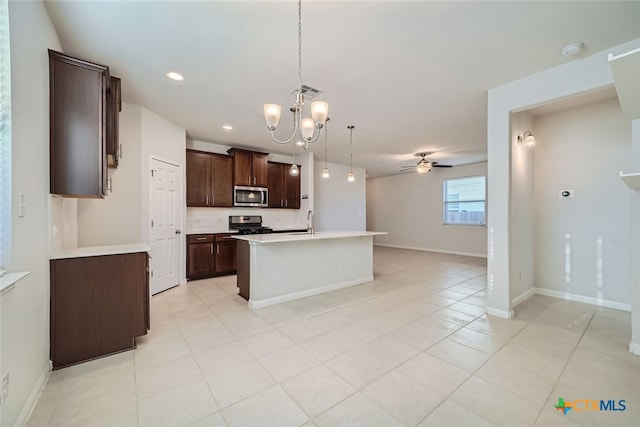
<point>309,127</point>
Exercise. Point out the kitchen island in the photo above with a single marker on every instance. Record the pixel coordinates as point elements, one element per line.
<point>274,268</point>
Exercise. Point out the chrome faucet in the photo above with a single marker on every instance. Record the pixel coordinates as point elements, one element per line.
<point>310,228</point>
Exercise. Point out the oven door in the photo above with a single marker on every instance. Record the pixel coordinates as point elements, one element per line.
<point>250,196</point>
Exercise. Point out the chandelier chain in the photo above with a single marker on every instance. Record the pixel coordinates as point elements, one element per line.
<point>300,45</point>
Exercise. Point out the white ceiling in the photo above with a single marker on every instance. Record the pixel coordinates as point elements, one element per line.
<point>411,76</point>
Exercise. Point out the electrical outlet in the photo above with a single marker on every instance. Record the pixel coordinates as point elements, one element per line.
<point>5,386</point>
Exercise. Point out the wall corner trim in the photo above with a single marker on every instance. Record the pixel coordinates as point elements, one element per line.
<point>31,402</point>
<point>504,314</point>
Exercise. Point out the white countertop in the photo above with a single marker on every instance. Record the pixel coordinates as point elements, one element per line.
<point>261,239</point>
<point>88,251</point>
<point>210,231</point>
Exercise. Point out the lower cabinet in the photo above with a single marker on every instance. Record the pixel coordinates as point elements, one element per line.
<point>210,255</point>
<point>99,305</point>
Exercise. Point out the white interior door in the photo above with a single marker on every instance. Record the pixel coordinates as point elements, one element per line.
<point>164,235</point>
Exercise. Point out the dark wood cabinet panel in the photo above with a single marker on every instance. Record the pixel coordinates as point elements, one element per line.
<point>275,183</point>
<point>114,106</point>
<point>225,257</point>
<point>209,179</point>
<point>198,178</point>
<point>210,255</point>
<point>78,126</point>
<point>200,260</point>
<point>284,189</point>
<point>259,169</point>
<point>98,306</point>
<point>221,184</point>
<point>249,168</point>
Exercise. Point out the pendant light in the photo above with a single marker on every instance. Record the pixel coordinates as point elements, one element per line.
<point>319,109</point>
<point>294,171</point>
<point>325,171</point>
<point>351,177</point>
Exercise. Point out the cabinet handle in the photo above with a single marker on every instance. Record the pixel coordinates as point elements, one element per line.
<point>254,180</point>
<point>286,203</point>
<point>211,249</point>
<point>217,249</point>
<point>206,200</point>
<point>249,176</point>
<point>201,238</point>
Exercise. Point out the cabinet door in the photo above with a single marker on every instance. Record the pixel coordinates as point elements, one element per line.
<point>114,105</point>
<point>275,184</point>
<point>222,181</point>
<point>291,190</point>
<point>198,179</point>
<point>242,174</point>
<point>200,260</point>
<point>225,257</point>
<point>259,166</point>
<point>78,126</point>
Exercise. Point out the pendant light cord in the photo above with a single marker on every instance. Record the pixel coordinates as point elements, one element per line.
<point>300,46</point>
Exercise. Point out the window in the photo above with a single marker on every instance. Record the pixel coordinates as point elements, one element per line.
<point>464,200</point>
<point>5,138</point>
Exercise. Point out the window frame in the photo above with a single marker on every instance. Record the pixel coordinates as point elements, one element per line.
<point>445,202</point>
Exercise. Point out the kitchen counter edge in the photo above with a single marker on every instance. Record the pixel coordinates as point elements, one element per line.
<point>89,251</point>
<point>261,239</point>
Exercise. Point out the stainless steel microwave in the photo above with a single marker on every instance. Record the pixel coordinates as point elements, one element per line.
<point>256,197</point>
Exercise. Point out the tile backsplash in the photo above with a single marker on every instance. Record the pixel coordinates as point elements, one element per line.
<point>217,219</point>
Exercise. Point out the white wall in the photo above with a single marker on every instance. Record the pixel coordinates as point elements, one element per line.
<point>116,219</point>
<point>340,205</point>
<point>576,77</point>
<point>583,244</point>
<point>25,308</point>
<point>409,208</point>
<point>521,230</point>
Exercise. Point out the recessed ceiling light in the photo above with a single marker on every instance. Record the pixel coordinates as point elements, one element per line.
<point>572,49</point>
<point>175,76</point>
<point>227,127</point>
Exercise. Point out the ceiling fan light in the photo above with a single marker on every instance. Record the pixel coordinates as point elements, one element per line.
<point>423,167</point>
<point>272,115</point>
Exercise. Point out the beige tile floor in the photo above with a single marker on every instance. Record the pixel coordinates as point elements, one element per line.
<point>413,347</point>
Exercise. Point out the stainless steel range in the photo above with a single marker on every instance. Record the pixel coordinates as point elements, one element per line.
<point>248,224</point>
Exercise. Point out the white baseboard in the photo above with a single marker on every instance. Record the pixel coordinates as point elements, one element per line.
<point>306,293</point>
<point>431,250</point>
<point>504,314</point>
<point>517,300</point>
<point>634,348</point>
<point>30,404</point>
<point>581,298</point>
<point>183,281</point>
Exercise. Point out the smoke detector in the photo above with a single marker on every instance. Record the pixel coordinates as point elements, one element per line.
<point>572,49</point>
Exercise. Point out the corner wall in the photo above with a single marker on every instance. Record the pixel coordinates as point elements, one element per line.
<point>24,337</point>
<point>409,208</point>
<point>583,243</point>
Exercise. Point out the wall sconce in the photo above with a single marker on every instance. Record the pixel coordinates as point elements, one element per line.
<point>527,139</point>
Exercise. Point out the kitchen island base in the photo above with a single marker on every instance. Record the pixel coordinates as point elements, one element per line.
<point>274,269</point>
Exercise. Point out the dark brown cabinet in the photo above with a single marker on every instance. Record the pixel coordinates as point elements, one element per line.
<point>210,255</point>
<point>249,168</point>
<point>83,125</point>
<point>114,106</point>
<point>99,304</point>
<point>284,189</point>
<point>209,179</point>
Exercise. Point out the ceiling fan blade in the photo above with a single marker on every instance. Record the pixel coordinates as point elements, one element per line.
<point>441,166</point>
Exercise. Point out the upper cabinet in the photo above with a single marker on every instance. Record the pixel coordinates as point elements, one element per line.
<point>284,189</point>
<point>83,109</point>
<point>114,106</point>
<point>249,168</point>
<point>209,179</point>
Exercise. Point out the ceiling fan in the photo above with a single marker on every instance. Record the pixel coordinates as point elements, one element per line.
<point>424,166</point>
